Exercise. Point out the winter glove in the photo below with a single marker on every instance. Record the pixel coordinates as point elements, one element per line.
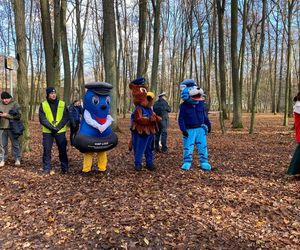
<point>54,131</point>
<point>185,134</point>
<point>205,128</point>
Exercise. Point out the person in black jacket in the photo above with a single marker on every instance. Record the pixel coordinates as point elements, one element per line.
<point>54,116</point>
<point>75,112</point>
<point>162,109</point>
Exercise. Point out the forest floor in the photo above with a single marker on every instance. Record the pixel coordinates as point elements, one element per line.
<point>246,202</point>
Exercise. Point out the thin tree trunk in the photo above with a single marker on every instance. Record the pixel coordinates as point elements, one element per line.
<point>236,91</point>
<point>287,108</point>
<point>221,10</point>
<point>142,37</point>
<point>259,65</point>
<point>65,52</point>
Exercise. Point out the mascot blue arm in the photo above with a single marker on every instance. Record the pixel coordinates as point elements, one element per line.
<point>194,124</point>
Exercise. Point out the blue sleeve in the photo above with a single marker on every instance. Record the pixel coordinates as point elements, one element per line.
<point>181,119</point>
<point>207,121</point>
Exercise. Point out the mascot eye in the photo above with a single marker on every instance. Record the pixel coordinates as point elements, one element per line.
<point>143,90</point>
<point>108,100</point>
<point>182,87</point>
<point>95,100</point>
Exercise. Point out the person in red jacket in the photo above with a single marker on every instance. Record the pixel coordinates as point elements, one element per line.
<point>294,167</point>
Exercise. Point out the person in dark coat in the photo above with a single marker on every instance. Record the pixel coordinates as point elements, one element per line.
<point>162,109</point>
<point>54,116</point>
<point>75,112</point>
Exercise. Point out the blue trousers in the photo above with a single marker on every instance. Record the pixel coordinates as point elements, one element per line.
<point>61,142</point>
<point>142,145</point>
<point>161,135</point>
<point>16,148</point>
<point>196,137</point>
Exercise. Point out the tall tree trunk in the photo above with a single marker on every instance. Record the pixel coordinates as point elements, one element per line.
<point>142,37</point>
<point>237,99</point>
<point>274,97</point>
<point>221,10</point>
<point>56,45</point>
<point>65,52</point>
<point>243,45</point>
<point>30,40</point>
<point>156,44</point>
<point>79,36</point>
<point>22,89</point>
<point>48,42</point>
<point>214,35</point>
<point>259,65</point>
<point>287,106</point>
<point>109,43</point>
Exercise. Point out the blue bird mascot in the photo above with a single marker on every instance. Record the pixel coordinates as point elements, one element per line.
<point>95,133</point>
<point>194,124</point>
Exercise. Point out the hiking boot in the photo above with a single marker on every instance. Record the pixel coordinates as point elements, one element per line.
<point>150,167</point>
<point>85,174</point>
<point>138,167</point>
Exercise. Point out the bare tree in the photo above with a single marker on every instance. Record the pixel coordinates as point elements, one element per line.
<point>142,37</point>
<point>221,10</point>
<point>65,52</point>
<point>21,55</point>
<point>237,99</point>
<point>109,43</point>
<point>259,65</point>
<point>156,43</point>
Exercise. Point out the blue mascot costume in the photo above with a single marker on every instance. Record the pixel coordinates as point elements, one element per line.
<point>95,134</point>
<point>194,124</point>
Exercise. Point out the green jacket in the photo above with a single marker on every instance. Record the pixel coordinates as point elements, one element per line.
<point>4,121</point>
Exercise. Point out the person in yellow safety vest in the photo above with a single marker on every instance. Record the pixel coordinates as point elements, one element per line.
<point>54,116</point>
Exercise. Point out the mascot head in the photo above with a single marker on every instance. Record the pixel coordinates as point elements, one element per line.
<point>140,92</point>
<point>97,100</point>
<point>190,92</point>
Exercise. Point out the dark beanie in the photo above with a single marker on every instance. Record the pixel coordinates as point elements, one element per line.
<point>5,95</point>
<point>50,90</point>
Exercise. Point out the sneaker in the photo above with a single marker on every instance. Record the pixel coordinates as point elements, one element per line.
<point>2,163</point>
<point>17,163</point>
<point>44,172</point>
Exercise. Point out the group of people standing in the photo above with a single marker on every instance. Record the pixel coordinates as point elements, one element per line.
<point>54,116</point>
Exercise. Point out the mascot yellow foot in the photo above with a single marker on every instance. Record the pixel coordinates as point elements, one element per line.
<point>88,161</point>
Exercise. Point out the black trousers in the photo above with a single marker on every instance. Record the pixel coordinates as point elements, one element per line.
<point>61,142</point>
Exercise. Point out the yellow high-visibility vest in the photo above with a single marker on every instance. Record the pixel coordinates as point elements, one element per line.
<point>49,115</point>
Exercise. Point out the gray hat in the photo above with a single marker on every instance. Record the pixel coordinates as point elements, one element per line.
<point>100,88</point>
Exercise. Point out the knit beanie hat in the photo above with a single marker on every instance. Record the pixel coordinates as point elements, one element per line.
<point>50,90</point>
<point>5,95</point>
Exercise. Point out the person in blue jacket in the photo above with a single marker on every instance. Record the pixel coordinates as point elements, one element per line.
<point>194,124</point>
<point>75,113</point>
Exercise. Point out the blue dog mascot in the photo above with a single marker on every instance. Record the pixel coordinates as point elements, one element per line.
<point>194,124</point>
<point>95,134</point>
